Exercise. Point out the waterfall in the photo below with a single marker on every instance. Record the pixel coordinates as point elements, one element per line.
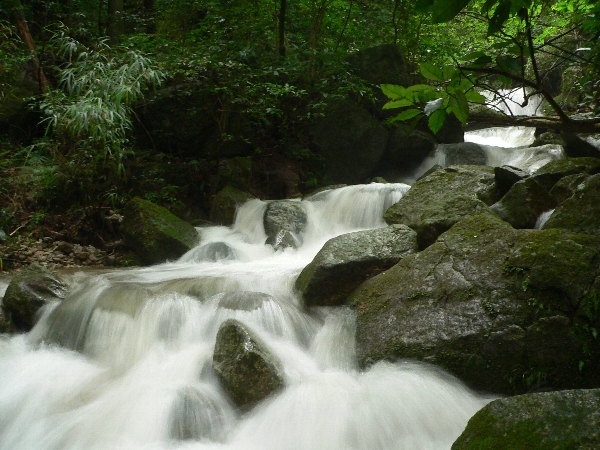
<point>512,102</point>
<point>124,362</point>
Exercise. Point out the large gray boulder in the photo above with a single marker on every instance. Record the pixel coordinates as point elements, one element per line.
<point>27,292</point>
<point>246,368</point>
<point>579,213</point>
<point>463,153</point>
<point>435,203</point>
<point>346,261</point>
<point>283,221</point>
<point>523,203</point>
<point>544,421</point>
<point>154,233</point>
<point>351,141</point>
<point>505,310</point>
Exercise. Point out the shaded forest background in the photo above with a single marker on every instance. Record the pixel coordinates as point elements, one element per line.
<point>104,101</point>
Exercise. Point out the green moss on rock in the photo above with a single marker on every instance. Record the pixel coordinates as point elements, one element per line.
<point>225,204</point>
<point>566,420</point>
<point>154,233</point>
<point>435,203</point>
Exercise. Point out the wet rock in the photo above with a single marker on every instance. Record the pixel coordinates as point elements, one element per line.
<point>224,205</point>
<point>247,370</point>
<point>346,261</point>
<point>546,420</point>
<point>283,221</point>
<point>197,416</point>
<point>581,145</point>
<point>549,174</point>
<point>28,291</point>
<point>565,187</point>
<point>523,203</point>
<point>154,233</point>
<point>215,251</point>
<point>580,213</point>
<point>505,310</point>
<point>243,300</point>
<point>507,176</point>
<point>463,153</point>
<point>435,203</point>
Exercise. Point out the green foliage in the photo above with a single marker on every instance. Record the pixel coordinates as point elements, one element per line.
<point>98,87</point>
<point>451,95</point>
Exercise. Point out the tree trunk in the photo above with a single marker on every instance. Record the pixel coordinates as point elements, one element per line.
<point>281,30</point>
<point>149,16</point>
<point>25,34</point>
<point>115,20</point>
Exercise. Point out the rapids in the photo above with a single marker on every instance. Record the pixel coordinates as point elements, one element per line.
<point>125,361</point>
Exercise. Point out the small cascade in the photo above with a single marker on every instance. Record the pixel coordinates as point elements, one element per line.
<point>542,219</point>
<point>125,361</point>
<point>505,137</point>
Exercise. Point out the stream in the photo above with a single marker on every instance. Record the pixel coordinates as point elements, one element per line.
<point>125,361</point>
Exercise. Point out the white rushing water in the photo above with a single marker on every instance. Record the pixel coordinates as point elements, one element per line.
<point>125,361</point>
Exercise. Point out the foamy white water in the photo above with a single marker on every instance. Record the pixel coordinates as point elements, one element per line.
<point>125,361</point>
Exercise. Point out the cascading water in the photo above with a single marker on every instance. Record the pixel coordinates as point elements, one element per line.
<point>125,361</point>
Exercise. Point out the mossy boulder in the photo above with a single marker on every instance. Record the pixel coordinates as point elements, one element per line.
<point>155,234</point>
<point>435,203</point>
<point>580,213</point>
<point>225,204</point>
<point>505,310</point>
<point>245,367</point>
<point>565,420</point>
<point>346,261</point>
<point>28,291</point>
<point>523,203</point>
<point>565,187</point>
<point>553,171</point>
<point>507,176</point>
<point>283,221</point>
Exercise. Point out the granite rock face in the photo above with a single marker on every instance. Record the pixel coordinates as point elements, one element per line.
<point>436,202</point>
<point>346,261</point>
<point>505,310</point>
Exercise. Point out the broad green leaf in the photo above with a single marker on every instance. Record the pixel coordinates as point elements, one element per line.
<point>460,106</point>
<point>420,88</point>
<point>431,72</point>
<point>471,56</point>
<point>510,64</point>
<point>501,14</point>
<point>393,91</point>
<point>502,44</point>
<point>475,97</point>
<point>449,72</point>
<point>424,6</point>
<point>408,114</point>
<point>505,80</point>
<point>482,61</point>
<point>397,104</point>
<point>436,120</point>
<point>487,6</point>
<point>445,10</point>
<point>521,3</point>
